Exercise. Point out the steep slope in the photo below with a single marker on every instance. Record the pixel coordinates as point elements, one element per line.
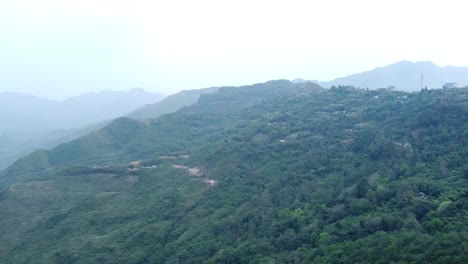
<point>13,148</point>
<point>125,139</point>
<point>107,143</point>
<point>170,104</point>
<point>221,101</point>
<point>303,176</point>
<point>404,75</point>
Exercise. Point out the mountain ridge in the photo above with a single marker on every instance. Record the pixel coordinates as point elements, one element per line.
<point>170,104</point>
<point>223,101</point>
<point>404,75</point>
<point>30,122</point>
<point>273,172</point>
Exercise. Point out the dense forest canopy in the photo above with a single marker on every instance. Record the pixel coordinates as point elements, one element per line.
<point>269,173</point>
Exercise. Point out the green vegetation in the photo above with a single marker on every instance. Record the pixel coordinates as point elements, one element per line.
<point>270,173</point>
<point>170,104</point>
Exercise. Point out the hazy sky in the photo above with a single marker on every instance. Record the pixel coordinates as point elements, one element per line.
<point>60,48</point>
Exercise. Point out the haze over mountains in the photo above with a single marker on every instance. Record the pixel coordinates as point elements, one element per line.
<point>404,75</point>
<point>237,164</point>
<point>20,111</point>
<point>29,122</point>
<point>274,172</point>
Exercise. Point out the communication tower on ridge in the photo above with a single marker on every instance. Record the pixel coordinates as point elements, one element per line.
<point>422,81</point>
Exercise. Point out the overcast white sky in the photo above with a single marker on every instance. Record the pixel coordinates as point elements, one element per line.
<point>61,48</point>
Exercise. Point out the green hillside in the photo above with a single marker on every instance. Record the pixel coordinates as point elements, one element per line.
<point>269,173</point>
<point>170,104</point>
<point>126,139</point>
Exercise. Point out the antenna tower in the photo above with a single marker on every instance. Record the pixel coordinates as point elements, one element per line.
<point>422,81</point>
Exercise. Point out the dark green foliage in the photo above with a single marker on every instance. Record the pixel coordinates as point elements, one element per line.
<point>302,176</point>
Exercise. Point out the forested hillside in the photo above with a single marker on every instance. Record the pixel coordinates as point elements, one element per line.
<point>270,173</point>
<point>170,104</point>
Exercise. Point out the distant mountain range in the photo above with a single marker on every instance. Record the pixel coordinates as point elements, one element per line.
<point>404,75</point>
<point>108,140</point>
<point>275,172</point>
<point>20,111</point>
<point>30,122</point>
